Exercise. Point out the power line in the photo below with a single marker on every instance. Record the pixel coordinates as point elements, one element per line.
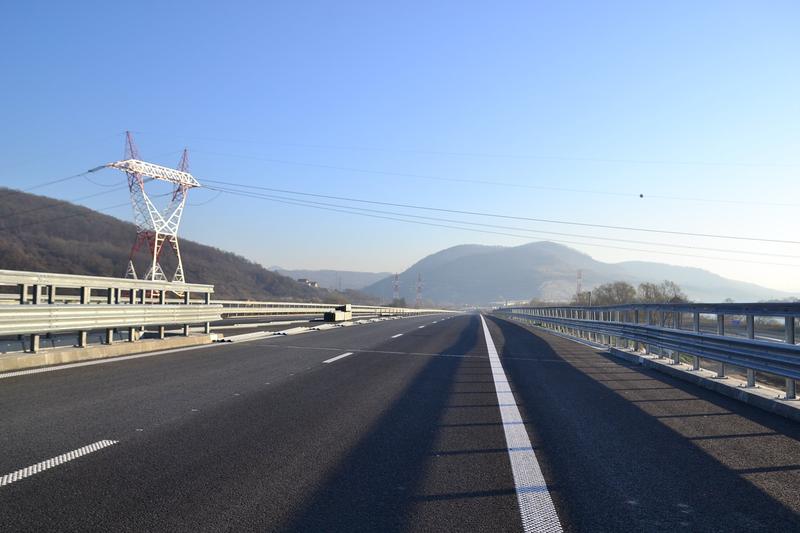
<point>74,200</point>
<point>635,195</point>
<point>509,217</point>
<point>304,203</point>
<point>93,182</point>
<point>45,184</point>
<point>204,202</point>
<point>528,230</point>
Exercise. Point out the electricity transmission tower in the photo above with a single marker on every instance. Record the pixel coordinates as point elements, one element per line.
<point>419,291</point>
<point>154,227</point>
<point>396,288</point>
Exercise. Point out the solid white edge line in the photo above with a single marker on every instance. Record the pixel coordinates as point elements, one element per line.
<point>535,504</point>
<point>332,359</point>
<point>55,461</point>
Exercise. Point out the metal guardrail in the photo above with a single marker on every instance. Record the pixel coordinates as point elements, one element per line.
<point>41,303</point>
<point>60,318</point>
<point>659,328</point>
<point>36,303</point>
<point>36,287</point>
<point>244,308</point>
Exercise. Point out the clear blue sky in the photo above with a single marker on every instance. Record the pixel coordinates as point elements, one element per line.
<point>679,99</point>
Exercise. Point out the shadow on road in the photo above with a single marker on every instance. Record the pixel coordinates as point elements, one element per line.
<point>630,449</point>
<point>374,487</point>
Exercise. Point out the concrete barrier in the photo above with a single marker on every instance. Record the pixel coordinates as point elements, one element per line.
<point>57,356</point>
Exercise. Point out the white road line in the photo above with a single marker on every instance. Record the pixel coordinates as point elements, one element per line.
<point>332,359</point>
<point>398,335</point>
<point>535,504</point>
<point>421,327</point>
<point>55,461</point>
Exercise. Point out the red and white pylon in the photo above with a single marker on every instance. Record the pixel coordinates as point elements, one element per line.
<point>154,227</point>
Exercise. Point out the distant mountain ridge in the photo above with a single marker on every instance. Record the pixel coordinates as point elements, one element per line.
<point>335,279</point>
<point>479,275</point>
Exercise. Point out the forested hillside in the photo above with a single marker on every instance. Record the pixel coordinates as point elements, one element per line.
<point>42,234</point>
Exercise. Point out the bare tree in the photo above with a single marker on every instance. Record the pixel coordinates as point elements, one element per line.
<point>664,292</point>
<point>617,292</point>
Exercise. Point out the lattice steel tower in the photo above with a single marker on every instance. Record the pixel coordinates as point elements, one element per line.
<point>396,288</point>
<point>419,291</point>
<point>154,227</point>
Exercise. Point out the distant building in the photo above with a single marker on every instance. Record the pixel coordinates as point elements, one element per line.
<point>310,283</point>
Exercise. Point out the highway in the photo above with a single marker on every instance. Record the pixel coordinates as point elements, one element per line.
<point>401,425</point>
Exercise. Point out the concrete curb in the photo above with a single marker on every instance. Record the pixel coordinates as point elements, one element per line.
<point>764,398</point>
<point>58,356</point>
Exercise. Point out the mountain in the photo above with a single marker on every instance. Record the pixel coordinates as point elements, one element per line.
<point>42,234</point>
<point>476,274</point>
<point>701,285</point>
<point>335,279</point>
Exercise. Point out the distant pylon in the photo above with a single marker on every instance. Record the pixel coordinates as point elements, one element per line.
<point>579,287</point>
<point>154,228</point>
<point>396,288</point>
<point>419,291</point>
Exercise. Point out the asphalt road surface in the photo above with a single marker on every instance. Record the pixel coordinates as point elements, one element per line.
<point>402,425</point>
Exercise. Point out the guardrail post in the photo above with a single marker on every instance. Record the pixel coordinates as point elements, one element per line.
<point>751,334</point>
<point>35,343</point>
<point>109,335</point>
<point>36,294</point>
<point>132,296</point>
<point>51,294</point>
<point>131,334</point>
<point>788,321</point>
<point>721,332</point>
<point>186,298</point>
<point>696,328</point>
<point>161,332</point>
<point>162,297</point>
<point>186,330</point>
<point>110,297</point>
<point>791,392</point>
<point>23,293</point>
<point>83,336</point>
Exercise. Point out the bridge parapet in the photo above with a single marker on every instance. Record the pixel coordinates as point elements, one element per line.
<point>757,337</point>
<point>247,308</point>
<point>37,303</point>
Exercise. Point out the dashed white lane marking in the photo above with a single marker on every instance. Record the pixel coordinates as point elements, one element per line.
<point>421,327</point>
<point>332,359</point>
<point>535,504</point>
<point>55,461</point>
<point>398,335</point>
